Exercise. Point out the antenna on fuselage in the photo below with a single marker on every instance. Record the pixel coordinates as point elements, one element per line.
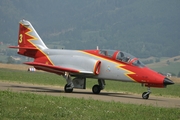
<point>97,48</point>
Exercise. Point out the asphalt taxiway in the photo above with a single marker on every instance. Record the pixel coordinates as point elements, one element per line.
<point>87,94</point>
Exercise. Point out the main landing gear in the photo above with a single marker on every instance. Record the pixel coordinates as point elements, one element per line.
<point>77,82</point>
<point>96,89</point>
<point>81,84</point>
<point>145,95</point>
<point>68,88</point>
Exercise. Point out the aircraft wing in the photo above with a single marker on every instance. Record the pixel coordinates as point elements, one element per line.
<point>51,68</point>
<point>60,69</point>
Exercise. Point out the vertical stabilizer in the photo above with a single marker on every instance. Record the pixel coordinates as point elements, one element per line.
<point>28,37</point>
<point>29,42</point>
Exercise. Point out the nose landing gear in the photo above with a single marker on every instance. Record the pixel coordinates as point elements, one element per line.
<point>145,95</point>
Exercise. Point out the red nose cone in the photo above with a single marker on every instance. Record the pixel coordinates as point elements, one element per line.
<point>167,81</point>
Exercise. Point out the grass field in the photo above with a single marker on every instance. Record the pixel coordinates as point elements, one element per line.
<point>26,106</point>
<point>172,68</point>
<point>162,66</point>
<point>53,79</point>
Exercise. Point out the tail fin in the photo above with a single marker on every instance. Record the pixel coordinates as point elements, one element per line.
<point>28,37</point>
<point>29,42</point>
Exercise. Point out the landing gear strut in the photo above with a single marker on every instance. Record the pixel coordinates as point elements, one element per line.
<point>96,89</point>
<point>145,95</point>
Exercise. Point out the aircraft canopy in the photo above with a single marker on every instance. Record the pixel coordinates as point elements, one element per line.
<point>122,56</point>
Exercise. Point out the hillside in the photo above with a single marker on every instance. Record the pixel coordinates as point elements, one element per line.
<point>142,28</point>
<point>166,65</point>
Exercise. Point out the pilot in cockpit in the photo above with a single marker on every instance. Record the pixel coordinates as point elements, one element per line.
<point>122,57</point>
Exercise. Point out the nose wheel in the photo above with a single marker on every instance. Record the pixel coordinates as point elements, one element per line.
<point>145,95</point>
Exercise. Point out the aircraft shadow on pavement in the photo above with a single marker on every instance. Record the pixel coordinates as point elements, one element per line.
<point>37,89</point>
<point>50,90</point>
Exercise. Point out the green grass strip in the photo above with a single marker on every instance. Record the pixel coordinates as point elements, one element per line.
<point>27,106</point>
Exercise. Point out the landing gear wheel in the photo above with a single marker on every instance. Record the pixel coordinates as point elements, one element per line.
<point>145,95</point>
<point>67,89</point>
<point>96,89</point>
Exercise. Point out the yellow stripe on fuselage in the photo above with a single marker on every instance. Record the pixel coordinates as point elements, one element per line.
<point>118,66</point>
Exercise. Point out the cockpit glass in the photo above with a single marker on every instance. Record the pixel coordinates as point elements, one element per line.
<point>138,63</point>
<point>108,53</point>
<point>125,57</point>
<point>122,56</point>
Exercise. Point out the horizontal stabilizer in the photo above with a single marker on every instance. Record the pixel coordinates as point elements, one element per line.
<point>17,47</point>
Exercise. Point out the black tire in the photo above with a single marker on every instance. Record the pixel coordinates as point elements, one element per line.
<point>67,90</point>
<point>96,89</point>
<point>145,96</point>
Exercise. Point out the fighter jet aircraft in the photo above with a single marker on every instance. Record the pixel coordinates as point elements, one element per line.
<point>100,64</point>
